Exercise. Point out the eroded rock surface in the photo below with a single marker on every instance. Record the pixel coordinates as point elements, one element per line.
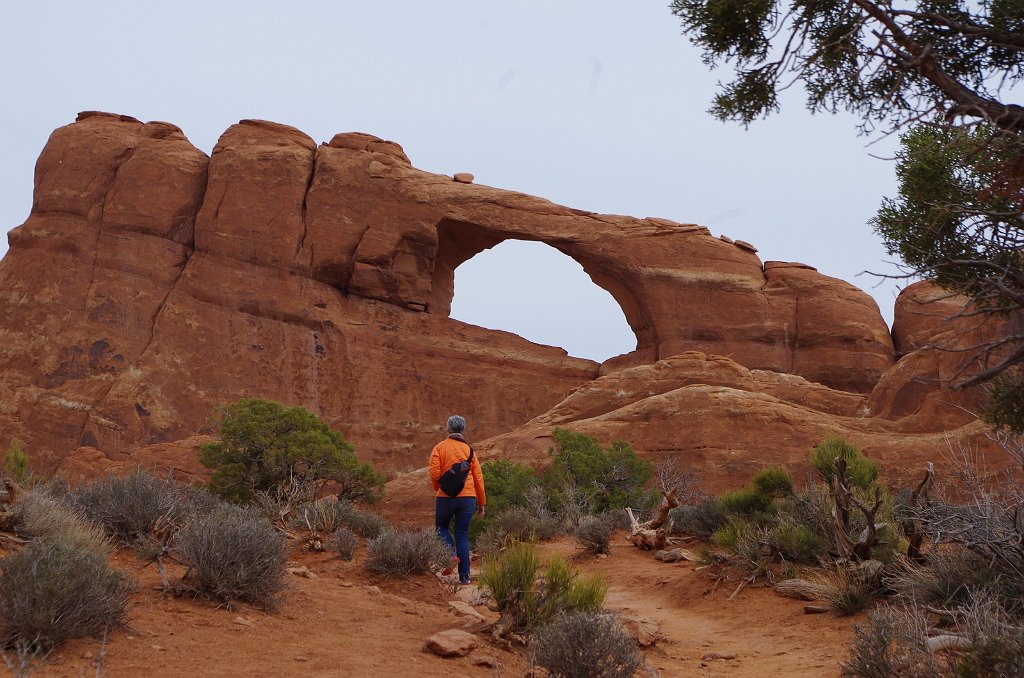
<point>151,283</point>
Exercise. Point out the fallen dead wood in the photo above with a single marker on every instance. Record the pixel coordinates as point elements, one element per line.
<point>652,535</point>
<point>801,589</point>
<point>947,642</point>
<point>674,556</point>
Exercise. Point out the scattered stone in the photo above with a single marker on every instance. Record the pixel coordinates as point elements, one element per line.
<point>87,655</point>
<point>157,648</point>
<point>374,590</point>
<point>645,632</point>
<point>744,245</point>
<point>464,178</point>
<point>242,621</point>
<point>486,661</point>
<point>816,609</point>
<point>472,594</point>
<point>725,238</point>
<point>725,656</point>
<point>301,658</point>
<point>673,556</point>
<point>602,556</point>
<point>301,572</point>
<point>452,643</point>
<point>464,608</point>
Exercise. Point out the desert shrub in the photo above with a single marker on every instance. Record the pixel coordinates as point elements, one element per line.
<point>846,588</point>
<point>594,533</point>
<point>892,642</point>
<point>343,542</point>
<point>861,472</point>
<point>812,508</point>
<point>233,554</point>
<point>515,525</point>
<point>729,534</point>
<point>323,516</point>
<point>35,515</point>
<point>598,479</point>
<point>745,501</point>
<point>586,645</point>
<point>795,541</point>
<point>406,552</point>
<point>16,463</point>
<point>128,507</point>
<point>700,519</point>
<point>526,600</point>
<point>287,452</point>
<point>773,481</point>
<point>53,590</point>
<point>992,657</point>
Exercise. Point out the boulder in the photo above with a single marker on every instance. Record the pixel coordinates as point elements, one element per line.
<point>452,643</point>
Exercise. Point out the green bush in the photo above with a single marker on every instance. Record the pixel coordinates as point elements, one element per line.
<point>745,501</point>
<point>527,601</point>
<point>233,554</point>
<point>52,590</point>
<point>586,645</point>
<point>610,478</point>
<point>796,542</point>
<point>861,472</point>
<point>773,481</point>
<point>594,533</point>
<point>16,463</point>
<point>993,656</point>
<point>728,535</point>
<point>402,553</point>
<point>510,486</point>
<point>265,447</point>
<point>514,525</point>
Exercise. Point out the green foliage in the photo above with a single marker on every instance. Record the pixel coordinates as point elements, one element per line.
<point>796,542</point>
<point>774,481</point>
<point>16,463</point>
<point>992,657</point>
<point>745,501</point>
<point>728,536</point>
<point>53,590</point>
<point>612,477</point>
<point>287,452</point>
<point>1004,408</point>
<point>861,472</point>
<point>527,602</point>
<point>701,519</point>
<point>507,482</point>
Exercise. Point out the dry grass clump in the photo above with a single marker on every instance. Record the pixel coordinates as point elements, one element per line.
<point>586,645</point>
<point>54,590</point>
<point>343,542</point>
<point>36,514</point>
<point>233,554</point>
<point>515,525</point>
<point>847,588</point>
<point>326,515</point>
<point>402,553</point>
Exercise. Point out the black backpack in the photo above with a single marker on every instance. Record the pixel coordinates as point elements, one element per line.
<point>454,479</point>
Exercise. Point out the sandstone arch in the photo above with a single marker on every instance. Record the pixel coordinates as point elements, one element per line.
<point>458,242</point>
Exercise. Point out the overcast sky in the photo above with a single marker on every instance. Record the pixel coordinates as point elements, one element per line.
<point>599,105</point>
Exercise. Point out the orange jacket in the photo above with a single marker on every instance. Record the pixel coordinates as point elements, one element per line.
<point>446,454</point>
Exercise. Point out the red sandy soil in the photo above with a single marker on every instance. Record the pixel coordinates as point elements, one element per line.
<point>338,624</point>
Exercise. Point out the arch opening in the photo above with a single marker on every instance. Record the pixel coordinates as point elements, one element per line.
<point>537,292</point>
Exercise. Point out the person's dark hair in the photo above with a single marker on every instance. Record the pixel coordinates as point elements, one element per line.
<point>456,424</point>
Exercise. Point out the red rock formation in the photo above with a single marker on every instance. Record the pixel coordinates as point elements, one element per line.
<point>151,284</point>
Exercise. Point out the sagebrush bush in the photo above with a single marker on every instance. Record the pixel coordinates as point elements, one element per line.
<point>728,535</point>
<point>594,533</point>
<point>526,600</point>
<point>795,542</point>
<point>53,590</point>
<point>700,519</point>
<point>36,515</point>
<point>586,645</point>
<point>406,552</point>
<point>343,542</point>
<point>233,554</point>
<point>515,525</point>
<point>326,515</point>
<point>129,506</point>
<point>892,642</point>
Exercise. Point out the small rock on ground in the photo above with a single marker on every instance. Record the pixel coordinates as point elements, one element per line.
<point>452,643</point>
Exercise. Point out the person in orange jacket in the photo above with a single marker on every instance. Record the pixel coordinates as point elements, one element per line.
<point>472,498</point>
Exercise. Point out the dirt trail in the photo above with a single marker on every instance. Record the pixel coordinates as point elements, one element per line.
<point>345,622</point>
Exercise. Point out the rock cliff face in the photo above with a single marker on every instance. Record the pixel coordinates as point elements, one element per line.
<point>151,284</point>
